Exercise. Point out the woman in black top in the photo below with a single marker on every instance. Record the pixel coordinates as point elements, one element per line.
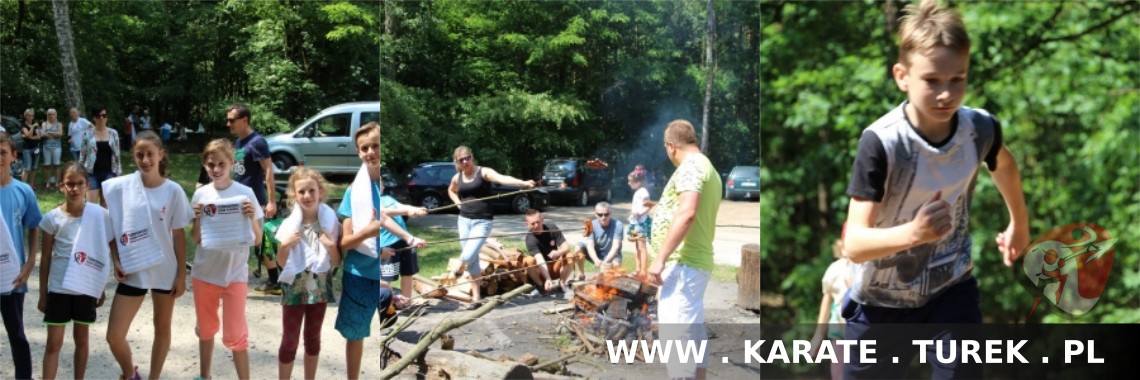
<point>99,153</point>
<point>31,131</point>
<point>475,217</point>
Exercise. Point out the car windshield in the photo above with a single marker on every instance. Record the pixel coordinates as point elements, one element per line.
<point>561,167</point>
<point>746,171</point>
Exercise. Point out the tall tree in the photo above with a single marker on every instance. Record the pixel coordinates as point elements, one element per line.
<point>710,67</point>
<point>67,54</point>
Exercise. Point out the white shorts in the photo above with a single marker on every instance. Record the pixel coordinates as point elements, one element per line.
<point>52,155</point>
<point>681,313</point>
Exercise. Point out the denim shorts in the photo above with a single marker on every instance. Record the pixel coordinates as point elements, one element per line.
<point>95,181</point>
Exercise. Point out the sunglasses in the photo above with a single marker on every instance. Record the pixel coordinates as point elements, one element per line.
<point>102,115</point>
<point>229,120</point>
<point>463,160</point>
<point>602,214</point>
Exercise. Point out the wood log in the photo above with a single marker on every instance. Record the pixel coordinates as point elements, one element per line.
<point>425,280</point>
<point>559,309</point>
<point>455,267</point>
<point>748,278</point>
<point>467,368</point>
<point>539,367</point>
<point>453,365</point>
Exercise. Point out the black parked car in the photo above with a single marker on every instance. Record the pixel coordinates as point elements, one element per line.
<point>573,179</point>
<point>427,184</point>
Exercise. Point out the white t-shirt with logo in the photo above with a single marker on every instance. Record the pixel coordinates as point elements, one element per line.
<point>169,204</point>
<point>65,228</point>
<point>222,267</point>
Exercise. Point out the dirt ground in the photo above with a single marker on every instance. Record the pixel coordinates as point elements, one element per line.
<point>512,330</point>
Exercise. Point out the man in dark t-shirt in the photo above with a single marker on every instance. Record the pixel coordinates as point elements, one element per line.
<point>253,168</point>
<point>549,247</point>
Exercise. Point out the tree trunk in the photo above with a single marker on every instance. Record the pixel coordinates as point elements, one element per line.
<point>710,34</point>
<point>67,55</point>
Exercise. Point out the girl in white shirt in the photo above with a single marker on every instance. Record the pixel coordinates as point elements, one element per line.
<point>65,304</point>
<point>639,221</point>
<point>220,276</point>
<point>169,212</point>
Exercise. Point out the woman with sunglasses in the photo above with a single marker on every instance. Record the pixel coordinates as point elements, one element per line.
<point>100,155</point>
<point>475,217</point>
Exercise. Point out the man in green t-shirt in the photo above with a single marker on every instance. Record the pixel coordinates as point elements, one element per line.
<point>684,225</point>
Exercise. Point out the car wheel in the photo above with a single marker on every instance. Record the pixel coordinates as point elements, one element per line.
<point>431,201</point>
<point>520,204</point>
<point>283,161</point>
<point>583,198</point>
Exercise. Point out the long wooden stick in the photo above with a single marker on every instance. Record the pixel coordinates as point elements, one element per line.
<point>453,205</point>
<point>491,236</point>
<point>448,325</point>
<point>552,362</point>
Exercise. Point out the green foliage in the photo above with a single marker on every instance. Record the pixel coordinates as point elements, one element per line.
<point>1060,77</point>
<point>520,82</point>
<point>184,59</point>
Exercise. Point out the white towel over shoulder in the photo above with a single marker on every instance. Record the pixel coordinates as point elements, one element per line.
<point>9,261</point>
<point>139,247</point>
<point>362,211</point>
<point>90,264</point>
<point>299,259</point>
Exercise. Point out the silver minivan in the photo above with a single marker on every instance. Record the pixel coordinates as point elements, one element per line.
<point>324,142</point>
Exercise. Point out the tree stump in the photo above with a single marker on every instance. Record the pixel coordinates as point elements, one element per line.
<point>748,278</point>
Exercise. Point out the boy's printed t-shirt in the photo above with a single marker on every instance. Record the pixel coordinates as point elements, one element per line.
<point>695,173</point>
<point>248,154</point>
<point>21,212</point>
<point>897,168</point>
<point>222,267</point>
<point>355,262</point>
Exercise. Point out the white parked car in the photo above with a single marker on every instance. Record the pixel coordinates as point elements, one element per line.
<point>324,142</point>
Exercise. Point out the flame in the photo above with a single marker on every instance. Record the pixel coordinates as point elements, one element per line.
<point>601,292</point>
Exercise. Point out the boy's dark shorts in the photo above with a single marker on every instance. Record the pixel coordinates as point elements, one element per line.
<point>949,316</point>
<point>131,291</point>
<point>63,308</point>
<point>408,260</point>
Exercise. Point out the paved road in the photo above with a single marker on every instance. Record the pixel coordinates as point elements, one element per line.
<point>738,223</point>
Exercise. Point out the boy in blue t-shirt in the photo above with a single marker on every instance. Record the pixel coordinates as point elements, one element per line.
<point>21,212</point>
<point>364,291</point>
<point>911,187</point>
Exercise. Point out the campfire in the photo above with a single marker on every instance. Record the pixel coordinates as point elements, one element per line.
<point>614,305</point>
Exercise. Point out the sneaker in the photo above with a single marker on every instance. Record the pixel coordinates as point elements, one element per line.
<point>267,288</point>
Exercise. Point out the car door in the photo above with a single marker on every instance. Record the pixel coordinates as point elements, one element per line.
<point>328,142</point>
<point>350,157</point>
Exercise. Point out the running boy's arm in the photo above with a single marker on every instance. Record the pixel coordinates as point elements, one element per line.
<point>1015,238</point>
<point>865,242</point>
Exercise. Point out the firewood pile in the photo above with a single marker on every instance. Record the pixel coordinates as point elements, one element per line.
<point>503,270</point>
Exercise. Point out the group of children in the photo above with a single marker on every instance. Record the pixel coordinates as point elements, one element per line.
<point>139,239</point>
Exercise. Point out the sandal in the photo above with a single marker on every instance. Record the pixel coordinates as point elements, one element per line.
<point>471,306</point>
